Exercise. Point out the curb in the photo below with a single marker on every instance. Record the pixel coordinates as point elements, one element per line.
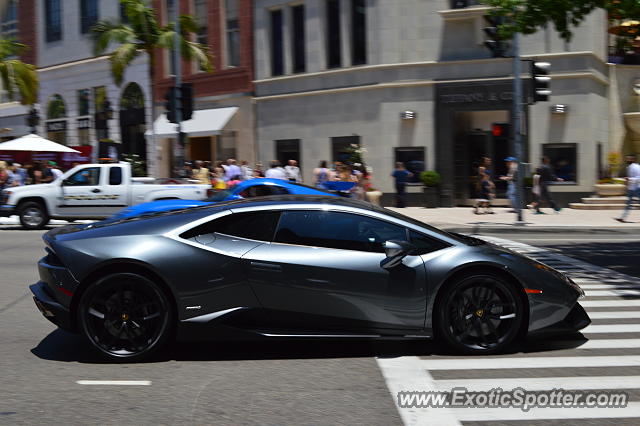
<point>524,229</point>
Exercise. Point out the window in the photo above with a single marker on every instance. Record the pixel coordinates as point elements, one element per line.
<point>258,226</point>
<point>201,15</point>
<point>85,177</point>
<point>56,108</point>
<point>277,52</point>
<point>334,52</point>
<point>358,32</point>
<point>298,39</point>
<point>341,147</point>
<point>459,4</point>
<point>232,26</point>
<point>83,102</point>
<point>9,23</point>
<point>563,158</point>
<point>53,20</point>
<point>425,244</point>
<point>288,149</point>
<point>262,191</point>
<point>336,230</point>
<point>88,15</point>
<point>115,175</point>
<point>413,160</point>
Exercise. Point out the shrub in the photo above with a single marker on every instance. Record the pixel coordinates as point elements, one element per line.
<point>430,178</point>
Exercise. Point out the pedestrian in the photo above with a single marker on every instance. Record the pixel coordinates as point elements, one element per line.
<point>4,176</point>
<point>547,176</point>
<point>293,171</point>
<point>512,179</point>
<point>247,171</point>
<point>275,171</point>
<point>485,187</point>
<point>322,174</point>
<point>201,173</point>
<point>16,177</point>
<point>633,186</point>
<point>57,173</point>
<point>401,175</point>
<point>258,172</point>
<point>232,172</point>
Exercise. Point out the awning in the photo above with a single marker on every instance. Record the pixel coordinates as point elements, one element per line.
<point>204,122</point>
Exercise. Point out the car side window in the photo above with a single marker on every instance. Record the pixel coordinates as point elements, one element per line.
<point>425,244</point>
<point>252,225</point>
<point>89,176</point>
<point>115,175</point>
<point>346,231</point>
<point>262,191</point>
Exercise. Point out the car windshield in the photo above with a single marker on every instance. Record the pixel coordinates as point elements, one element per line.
<point>219,196</point>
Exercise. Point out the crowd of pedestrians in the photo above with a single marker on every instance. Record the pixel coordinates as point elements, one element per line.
<point>15,174</point>
<point>225,174</point>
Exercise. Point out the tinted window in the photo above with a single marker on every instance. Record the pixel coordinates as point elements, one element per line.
<point>336,230</point>
<point>425,244</point>
<point>85,177</point>
<point>262,191</point>
<point>115,175</point>
<point>254,226</point>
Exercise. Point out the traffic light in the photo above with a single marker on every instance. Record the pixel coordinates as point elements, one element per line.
<point>186,100</point>
<point>169,103</point>
<point>495,43</point>
<point>540,81</point>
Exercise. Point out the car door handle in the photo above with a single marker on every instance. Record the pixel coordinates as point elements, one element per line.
<point>96,190</point>
<point>266,267</point>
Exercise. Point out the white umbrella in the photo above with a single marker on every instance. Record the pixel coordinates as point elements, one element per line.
<point>34,143</point>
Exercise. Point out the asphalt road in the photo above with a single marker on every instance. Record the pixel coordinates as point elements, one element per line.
<point>275,382</point>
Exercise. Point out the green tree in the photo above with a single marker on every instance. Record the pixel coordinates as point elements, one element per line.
<point>140,34</point>
<point>19,80</point>
<point>527,16</point>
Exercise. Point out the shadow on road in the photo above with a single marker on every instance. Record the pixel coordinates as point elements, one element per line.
<point>66,347</point>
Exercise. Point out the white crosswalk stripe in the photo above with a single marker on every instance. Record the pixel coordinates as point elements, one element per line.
<point>611,300</point>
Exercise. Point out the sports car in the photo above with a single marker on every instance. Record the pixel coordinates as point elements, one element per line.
<point>258,187</point>
<point>293,266</point>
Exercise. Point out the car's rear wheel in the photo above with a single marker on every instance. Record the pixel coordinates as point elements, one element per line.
<point>125,316</point>
<point>33,215</point>
<point>479,314</point>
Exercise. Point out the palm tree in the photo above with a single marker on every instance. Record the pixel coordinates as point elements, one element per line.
<point>143,34</point>
<point>17,77</point>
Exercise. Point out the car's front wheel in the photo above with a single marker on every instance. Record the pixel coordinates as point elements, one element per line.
<point>33,215</point>
<point>479,314</point>
<point>125,316</point>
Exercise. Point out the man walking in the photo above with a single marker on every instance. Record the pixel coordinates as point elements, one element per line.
<point>511,178</point>
<point>293,171</point>
<point>401,175</point>
<point>546,176</point>
<point>633,186</point>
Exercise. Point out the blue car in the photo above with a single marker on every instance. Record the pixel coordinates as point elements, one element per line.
<point>247,189</point>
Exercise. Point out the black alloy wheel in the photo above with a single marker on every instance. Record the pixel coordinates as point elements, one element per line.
<point>480,314</point>
<point>125,316</point>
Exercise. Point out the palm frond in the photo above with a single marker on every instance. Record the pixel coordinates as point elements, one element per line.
<point>10,47</point>
<point>121,58</point>
<point>105,33</point>
<point>197,52</point>
<point>20,79</point>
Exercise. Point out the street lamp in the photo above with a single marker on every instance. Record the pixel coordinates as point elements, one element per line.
<point>33,119</point>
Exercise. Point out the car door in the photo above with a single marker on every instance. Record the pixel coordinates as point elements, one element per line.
<point>322,272</point>
<point>81,193</point>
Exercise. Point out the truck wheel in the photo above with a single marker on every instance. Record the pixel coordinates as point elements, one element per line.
<point>33,215</point>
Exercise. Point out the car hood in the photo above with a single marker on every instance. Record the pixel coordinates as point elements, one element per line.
<point>158,206</point>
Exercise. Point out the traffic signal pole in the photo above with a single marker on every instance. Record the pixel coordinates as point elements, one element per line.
<point>517,126</point>
<point>179,151</point>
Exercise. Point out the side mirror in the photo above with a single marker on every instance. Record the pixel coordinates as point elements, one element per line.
<point>395,251</point>
<point>66,182</point>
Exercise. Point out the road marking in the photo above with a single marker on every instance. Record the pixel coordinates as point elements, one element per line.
<point>531,362</point>
<point>504,414</point>
<point>609,303</point>
<point>409,374</point>
<point>611,328</point>
<point>614,315</point>
<point>616,293</point>
<point>543,383</point>
<point>115,382</point>
<point>605,286</point>
<point>609,344</point>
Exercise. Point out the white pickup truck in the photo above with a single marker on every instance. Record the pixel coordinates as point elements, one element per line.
<point>90,191</point>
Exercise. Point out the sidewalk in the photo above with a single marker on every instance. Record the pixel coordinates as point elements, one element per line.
<point>462,219</point>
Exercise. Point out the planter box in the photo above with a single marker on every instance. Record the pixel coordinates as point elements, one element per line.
<point>610,189</point>
<point>431,197</point>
